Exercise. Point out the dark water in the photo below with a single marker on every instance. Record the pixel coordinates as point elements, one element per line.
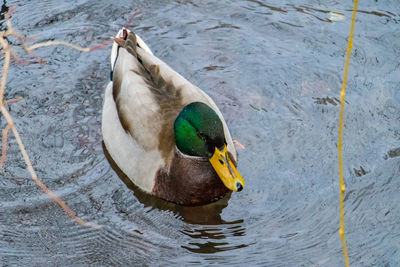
<point>274,68</point>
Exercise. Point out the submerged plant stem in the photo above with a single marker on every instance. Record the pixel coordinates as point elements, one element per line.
<point>340,135</point>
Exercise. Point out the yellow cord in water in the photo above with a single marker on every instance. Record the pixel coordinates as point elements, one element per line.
<point>342,99</point>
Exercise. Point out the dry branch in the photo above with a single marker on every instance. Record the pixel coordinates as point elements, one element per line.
<point>8,54</point>
<point>4,145</point>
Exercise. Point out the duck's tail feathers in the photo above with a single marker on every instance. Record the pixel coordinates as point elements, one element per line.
<point>115,47</point>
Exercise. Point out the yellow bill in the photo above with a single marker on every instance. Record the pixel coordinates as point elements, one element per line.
<point>226,171</point>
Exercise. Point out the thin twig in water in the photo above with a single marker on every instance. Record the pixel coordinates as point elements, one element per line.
<point>132,17</point>
<point>4,145</point>
<point>50,43</point>
<point>238,145</point>
<point>10,123</point>
<point>5,134</point>
<point>12,101</point>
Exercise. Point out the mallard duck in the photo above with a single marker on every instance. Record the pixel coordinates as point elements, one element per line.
<point>165,134</point>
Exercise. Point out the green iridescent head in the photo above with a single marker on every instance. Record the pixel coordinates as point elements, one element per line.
<point>198,130</point>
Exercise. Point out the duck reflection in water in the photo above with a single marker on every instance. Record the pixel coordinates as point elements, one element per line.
<point>208,232</point>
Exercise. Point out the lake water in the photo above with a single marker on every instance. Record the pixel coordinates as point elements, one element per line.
<point>275,69</point>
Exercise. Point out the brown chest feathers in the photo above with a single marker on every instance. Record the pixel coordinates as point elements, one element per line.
<point>189,182</point>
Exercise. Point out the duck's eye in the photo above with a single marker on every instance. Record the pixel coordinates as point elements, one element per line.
<point>221,161</point>
<point>202,136</point>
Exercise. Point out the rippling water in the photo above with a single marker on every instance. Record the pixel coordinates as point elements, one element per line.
<point>274,68</point>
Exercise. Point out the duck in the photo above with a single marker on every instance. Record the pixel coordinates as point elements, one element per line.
<point>164,133</point>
